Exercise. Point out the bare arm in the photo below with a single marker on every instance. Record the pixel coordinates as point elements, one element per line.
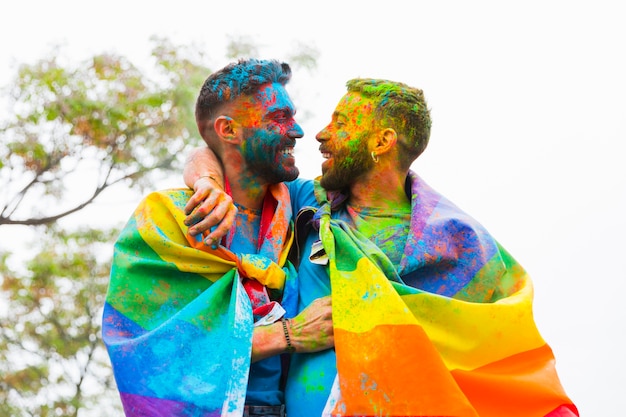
<point>209,206</point>
<point>309,331</point>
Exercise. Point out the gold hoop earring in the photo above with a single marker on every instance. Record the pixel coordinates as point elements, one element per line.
<point>374,157</point>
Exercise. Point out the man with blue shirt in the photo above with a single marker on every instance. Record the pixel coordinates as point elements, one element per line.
<point>195,330</point>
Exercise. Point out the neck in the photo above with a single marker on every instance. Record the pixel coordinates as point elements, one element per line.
<point>248,196</point>
<point>380,189</point>
<point>245,188</point>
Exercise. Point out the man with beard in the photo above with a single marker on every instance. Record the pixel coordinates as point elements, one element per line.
<point>431,315</point>
<point>193,330</point>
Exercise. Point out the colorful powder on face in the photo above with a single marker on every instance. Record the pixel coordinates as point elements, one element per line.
<point>270,130</point>
<point>346,138</point>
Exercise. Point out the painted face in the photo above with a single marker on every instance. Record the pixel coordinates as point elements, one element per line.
<point>344,142</point>
<point>270,132</point>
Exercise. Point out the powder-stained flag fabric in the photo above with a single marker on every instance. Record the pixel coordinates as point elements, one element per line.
<point>465,344</point>
<point>177,319</point>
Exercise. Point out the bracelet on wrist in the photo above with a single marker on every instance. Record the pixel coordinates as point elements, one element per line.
<point>209,177</point>
<point>290,347</point>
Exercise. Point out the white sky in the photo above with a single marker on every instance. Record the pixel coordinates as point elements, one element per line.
<point>529,124</point>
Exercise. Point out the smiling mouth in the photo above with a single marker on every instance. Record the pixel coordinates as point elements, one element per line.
<point>325,154</point>
<point>288,151</point>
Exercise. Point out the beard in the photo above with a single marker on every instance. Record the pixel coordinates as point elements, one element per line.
<point>270,173</point>
<point>265,160</point>
<point>347,167</point>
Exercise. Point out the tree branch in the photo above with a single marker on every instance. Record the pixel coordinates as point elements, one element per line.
<point>51,219</point>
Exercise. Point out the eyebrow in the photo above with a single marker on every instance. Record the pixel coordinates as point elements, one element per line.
<point>337,114</point>
<point>289,110</point>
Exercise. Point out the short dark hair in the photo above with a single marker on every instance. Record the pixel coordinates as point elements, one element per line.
<point>239,78</point>
<point>400,107</point>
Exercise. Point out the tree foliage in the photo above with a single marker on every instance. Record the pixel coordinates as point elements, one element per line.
<point>104,122</point>
<point>77,130</point>
<point>51,356</point>
<point>100,123</point>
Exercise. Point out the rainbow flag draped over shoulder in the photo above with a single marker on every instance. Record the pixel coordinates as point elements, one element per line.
<point>177,319</point>
<point>464,345</point>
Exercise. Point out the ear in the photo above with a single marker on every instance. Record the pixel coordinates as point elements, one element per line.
<point>226,129</point>
<point>385,141</point>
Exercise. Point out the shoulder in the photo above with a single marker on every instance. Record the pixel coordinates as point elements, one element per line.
<point>440,213</point>
<point>171,197</point>
<point>302,193</point>
<point>300,185</point>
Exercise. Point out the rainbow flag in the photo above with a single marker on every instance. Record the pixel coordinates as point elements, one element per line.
<point>469,347</point>
<point>177,320</point>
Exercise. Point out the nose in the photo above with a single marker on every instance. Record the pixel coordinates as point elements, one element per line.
<point>296,131</point>
<point>322,135</point>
